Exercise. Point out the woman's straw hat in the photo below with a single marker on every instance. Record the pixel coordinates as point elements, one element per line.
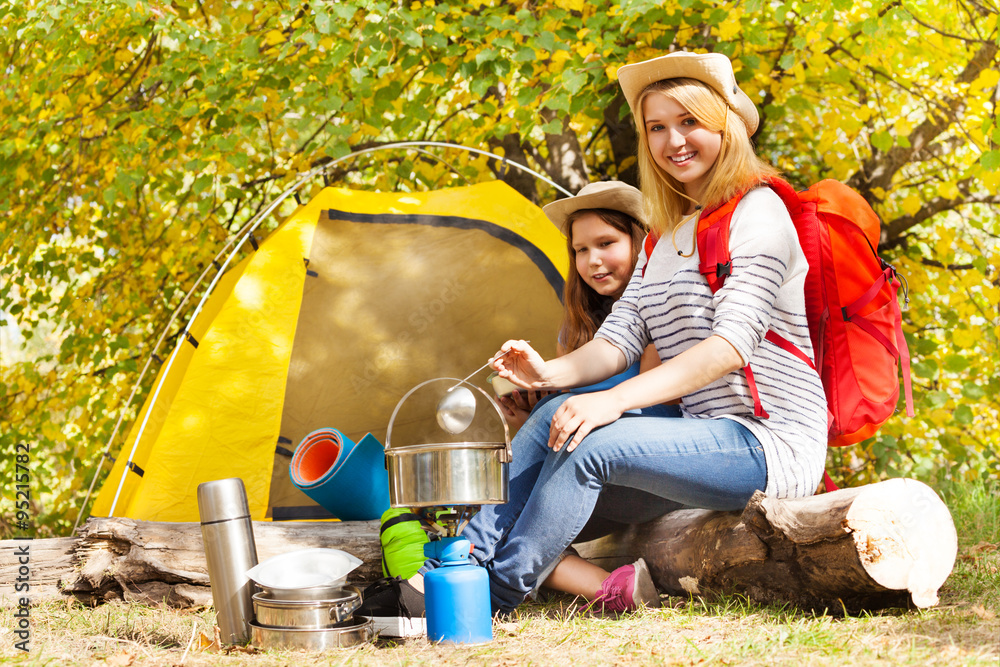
<point>713,69</point>
<point>613,195</point>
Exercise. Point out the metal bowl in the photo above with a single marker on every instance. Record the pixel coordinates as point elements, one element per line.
<point>321,639</point>
<point>332,591</point>
<point>455,473</point>
<point>305,614</point>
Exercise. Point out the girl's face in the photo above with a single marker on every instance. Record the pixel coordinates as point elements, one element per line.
<point>680,144</point>
<point>603,255</point>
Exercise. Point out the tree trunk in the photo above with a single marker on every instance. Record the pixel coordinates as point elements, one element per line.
<point>865,548</point>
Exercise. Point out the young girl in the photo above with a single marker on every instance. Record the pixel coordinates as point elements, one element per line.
<point>604,231</point>
<point>694,126</point>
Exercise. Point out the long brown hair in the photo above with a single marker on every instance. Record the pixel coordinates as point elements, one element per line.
<point>736,169</point>
<point>584,309</point>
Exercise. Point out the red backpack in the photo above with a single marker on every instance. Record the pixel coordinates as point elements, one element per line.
<point>851,304</point>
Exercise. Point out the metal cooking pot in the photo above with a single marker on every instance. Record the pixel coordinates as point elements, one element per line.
<point>448,473</point>
<point>306,614</point>
<point>324,592</point>
<point>321,639</point>
<point>460,473</point>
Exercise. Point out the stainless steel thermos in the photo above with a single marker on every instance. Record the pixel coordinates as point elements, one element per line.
<point>230,551</point>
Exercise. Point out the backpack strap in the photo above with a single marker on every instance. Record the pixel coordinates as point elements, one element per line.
<point>648,245</point>
<point>716,264</point>
<point>897,348</point>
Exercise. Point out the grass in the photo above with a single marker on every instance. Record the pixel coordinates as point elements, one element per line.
<point>964,629</point>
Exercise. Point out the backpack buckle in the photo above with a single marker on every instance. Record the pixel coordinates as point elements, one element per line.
<point>724,269</point>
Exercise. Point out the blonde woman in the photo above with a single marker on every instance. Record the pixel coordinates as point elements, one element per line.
<point>694,125</point>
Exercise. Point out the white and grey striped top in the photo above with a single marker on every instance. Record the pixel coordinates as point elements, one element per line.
<point>673,307</point>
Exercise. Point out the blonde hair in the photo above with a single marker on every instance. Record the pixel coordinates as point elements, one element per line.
<point>585,309</point>
<point>737,168</point>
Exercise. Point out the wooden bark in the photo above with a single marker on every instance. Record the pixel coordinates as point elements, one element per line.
<point>866,548</point>
<point>165,562</point>
<point>870,547</point>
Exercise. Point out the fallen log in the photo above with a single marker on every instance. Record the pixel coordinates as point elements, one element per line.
<point>164,563</point>
<point>870,547</point>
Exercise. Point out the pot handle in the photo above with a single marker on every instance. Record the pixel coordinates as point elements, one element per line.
<point>455,382</point>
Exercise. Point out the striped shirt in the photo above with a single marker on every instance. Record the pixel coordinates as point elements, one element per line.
<point>673,307</point>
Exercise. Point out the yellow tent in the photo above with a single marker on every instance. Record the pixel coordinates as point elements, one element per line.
<point>351,302</point>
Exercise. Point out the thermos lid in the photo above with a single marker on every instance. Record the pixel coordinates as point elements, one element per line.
<point>222,500</point>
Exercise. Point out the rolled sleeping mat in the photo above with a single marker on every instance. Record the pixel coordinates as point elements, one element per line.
<point>347,479</point>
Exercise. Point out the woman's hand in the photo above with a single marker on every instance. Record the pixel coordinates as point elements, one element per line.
<point>518,362</point>
<point>578,416</point>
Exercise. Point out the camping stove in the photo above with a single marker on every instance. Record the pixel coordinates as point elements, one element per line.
<point>446,477</point>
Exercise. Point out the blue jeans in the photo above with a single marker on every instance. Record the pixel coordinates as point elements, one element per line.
<point>709,463</point>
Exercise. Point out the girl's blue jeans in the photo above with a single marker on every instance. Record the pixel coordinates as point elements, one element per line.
<point>649,463</point>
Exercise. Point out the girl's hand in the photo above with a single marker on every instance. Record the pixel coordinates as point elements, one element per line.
<point>578,416</point>
<point>517,406</point>
<point>518,362</point>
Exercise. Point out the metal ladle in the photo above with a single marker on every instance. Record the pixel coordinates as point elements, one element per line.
<point>457,409</point>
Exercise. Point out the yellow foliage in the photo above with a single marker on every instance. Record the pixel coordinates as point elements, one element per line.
<point>903,127</point>
<point>273,37</point>
<point>987,79</point>
<point>730,27</point>
<point>911,204</point>
<point>948,190</point>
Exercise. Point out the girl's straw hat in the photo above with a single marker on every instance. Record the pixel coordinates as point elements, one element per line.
<point>713,69</point>
<point>613,195</point>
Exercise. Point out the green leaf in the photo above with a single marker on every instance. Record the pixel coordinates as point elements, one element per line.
<point>574,80</point>
<point>972,391</point>
<point>547,41</point>
<point>990,160</point>
<point>936,399</point>
<point>963,415</point>
<point>322,22</point>
<point>412,38</point>
<point>484,56</point>
<point>955,363</point>
<point>524,54</point>
<point>552,127</point>
<point>882,141</point>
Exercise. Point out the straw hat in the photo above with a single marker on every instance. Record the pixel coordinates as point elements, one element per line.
<point>713,69</point>
<point>613,195</point>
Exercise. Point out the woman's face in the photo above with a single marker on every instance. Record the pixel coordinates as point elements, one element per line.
<point>680,144</point>
<point>603,255</point>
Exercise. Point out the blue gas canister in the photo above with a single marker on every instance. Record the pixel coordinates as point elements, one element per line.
<point>456,595</point>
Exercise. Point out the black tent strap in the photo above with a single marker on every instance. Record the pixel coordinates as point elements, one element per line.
<point>539,258</point>
<point>191,339</point>
<point>282,440</point>
<point>300,513</point>
<point>253,241</point>
<point>309,272</point>
<point>283,452</point>
<point>136,469</point>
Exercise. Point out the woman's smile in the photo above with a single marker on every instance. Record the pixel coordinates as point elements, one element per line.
<point>679,143</point>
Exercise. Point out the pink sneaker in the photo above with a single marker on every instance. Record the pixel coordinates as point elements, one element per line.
<point>628,588</point>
